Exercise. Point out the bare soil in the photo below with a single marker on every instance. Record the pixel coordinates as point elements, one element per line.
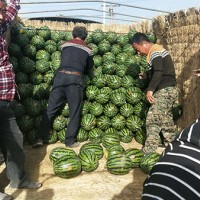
<point>97,185</point>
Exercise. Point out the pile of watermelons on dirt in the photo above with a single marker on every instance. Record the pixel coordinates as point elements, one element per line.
<point>114,107</point>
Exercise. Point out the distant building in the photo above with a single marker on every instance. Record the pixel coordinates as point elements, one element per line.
<point>64,19</point>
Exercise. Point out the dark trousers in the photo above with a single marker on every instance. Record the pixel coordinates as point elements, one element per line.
<point>11,144</point>
<point>65,87</point>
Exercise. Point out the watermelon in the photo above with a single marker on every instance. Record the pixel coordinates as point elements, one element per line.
<point>127,81</point>
<point>111,131</point>
<point>30,31</point>
<point>67,167</point>
<point>14,50</point>
<point>102,96</point>
<point>91,92</point>
<point>110,140</point>
<point>59,123</point>
<point>103,122</point>
<point>113,81</point>
<point>110,110</point>
<point>96,109</point>
<point>97,60</point>
<point>38,42</point>
<point>118,99</point>
<point>134,123</point>
<point>65,110</point>
<point>135,155</point>
<point>36,78</point>
<point>82,135</point>
<point>114,151</point>
<point>99,81</point>
<point>140,136</point>
<point>21,77</point>
<point>94,48</point>
<point>43,55</point>
<point>121,58</point>
<point>18,108</point>
<point>88,122</point>
<point>148,161</point>
<point>25,90</point>
<point>126,110</point>
<point>122,40</point>
<point>44,32</point>
<point>89,160</point>
<point>95,135</point>
<point>108,68</point>
<point>53,137</point>
<point>116,49</point>
<point>27,65</point>
<point>95,147</point>
<point>120,165</point>
<point>22,40</point>
<point>58,152</point>
<point>125,135</point>
<point>42,66</point>
<point>30,51</point>
<point>118,122</point>
<point>97,36</point>
<point>61,135</point>
<point>86,107</point>
<point>104,47</point>
<point>25,123</point>
<point>111,37</point>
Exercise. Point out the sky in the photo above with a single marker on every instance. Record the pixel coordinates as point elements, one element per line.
<point>93,10</point>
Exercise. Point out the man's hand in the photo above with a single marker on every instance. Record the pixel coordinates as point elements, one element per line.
<point>149,97</point>
<point>142,75</point>
<point>196,72</point>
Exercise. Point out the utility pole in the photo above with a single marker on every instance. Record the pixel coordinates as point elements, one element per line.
<point>104,12</point>
<point>111,11</point>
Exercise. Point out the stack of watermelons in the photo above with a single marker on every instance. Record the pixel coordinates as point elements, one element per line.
<point>114,107</point>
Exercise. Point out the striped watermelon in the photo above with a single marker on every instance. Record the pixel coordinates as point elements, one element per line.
<point>116,49</point>
<point>110,110</point>
<point>103,122</point>
<point>95,135</point>
<point>99,80</point>
<point>108,57</point>
<point>97,36</point>
<point>140,136</point>
<point>96,109</point>
<point>91,92</point>
<point>82,135</point>
<point>110,140</point>
<point>127,81</point>
<point>38,42</point>
<point>113,81</point>
<point>118,99</point>
<point>104,47</point>
<point>148,161</point>
<point>61,135</point>
<point>119,165</point>
<point>126,110</point>
<point>122,40</point>
<point>58,152</point>
<point>86,107</point>
<point>53,137</point>
<point>95,147</point>
<point>111,131</point>
<point>125,135</point>
<point>135,155</point>
<point>111,37</point>
<point>121,58</point>
<point>59,123</point>
<point>118,122</point>
<point>114,151</point>
<point>134,123</point>
<point>133,96</point>
<point>88,122</point>
<point>108,68</point>
<point>94,48</point>
<point>102,97</point>
<point>67,167</point>
<point>97,60</point>
<point>121,70</point>
<point>89,160</point>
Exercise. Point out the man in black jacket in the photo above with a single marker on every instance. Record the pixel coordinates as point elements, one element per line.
<point>76,60</point>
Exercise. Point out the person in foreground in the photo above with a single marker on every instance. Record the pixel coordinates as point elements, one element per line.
<point>161,92</point>
<point>11,138</point>
<point>177,173</point>
<point>76,60</point>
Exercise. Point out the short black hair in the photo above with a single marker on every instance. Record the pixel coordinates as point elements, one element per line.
<point>80,31</point>
<point>138,38</point>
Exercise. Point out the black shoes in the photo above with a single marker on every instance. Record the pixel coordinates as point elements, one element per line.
<point>4,196</point>
<point>38,144</point>
<point>74,145</point>
<point>26,185</point>
<point>30,185</point>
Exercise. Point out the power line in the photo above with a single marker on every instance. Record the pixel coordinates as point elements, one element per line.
<point>84,1</point>
<point>100,17</point>
<point>47,11</point>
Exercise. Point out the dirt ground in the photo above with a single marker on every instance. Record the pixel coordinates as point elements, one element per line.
<point>97,185</point>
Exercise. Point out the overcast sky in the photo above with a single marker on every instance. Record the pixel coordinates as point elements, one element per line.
<point>86,10</point>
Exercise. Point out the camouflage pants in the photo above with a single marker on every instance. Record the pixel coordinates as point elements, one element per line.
<point>160,119</point>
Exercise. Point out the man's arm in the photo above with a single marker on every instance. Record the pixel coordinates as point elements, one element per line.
<point>157,74</point>
<point>12,9</point>
<point>89,66</point>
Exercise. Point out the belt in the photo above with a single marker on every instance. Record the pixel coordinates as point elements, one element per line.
<point>70,72</point>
